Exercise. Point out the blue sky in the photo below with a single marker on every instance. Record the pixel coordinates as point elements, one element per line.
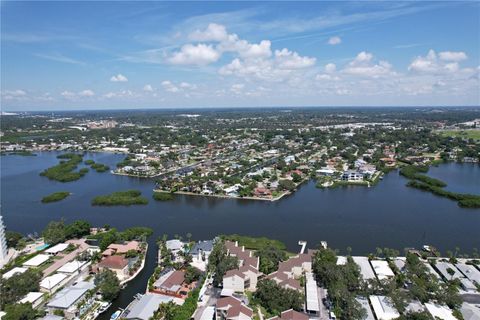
<point>89,55</point>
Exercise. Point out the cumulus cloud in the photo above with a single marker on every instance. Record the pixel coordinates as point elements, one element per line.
<point>291,60</point>
<point>86,93</point>
<point>119,78</point>
<point>334,41</point>
<point>330,68</point>
<point>444,62</point>
<point>147,88</point>
<point>214,32</point>
<point>200,54</point>
<point>363,65</point>
<point>452,56</point>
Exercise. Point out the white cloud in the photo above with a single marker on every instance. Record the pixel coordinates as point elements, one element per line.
<point>330,68</point>
<point>363,65</point>
<point>86,93</point>
<point>261,50</point>
<point>68,94</point>
<point>200,54</point>
<point>119,78</point>
<point>14,93</point>
<point>452,56</point>
<point>169,86</point>
<point>334,41</point>
<point>237,88</point>
<point>147,88</point>
<point>444,62</point>
<point>214,32</point>
<point>291,60</point>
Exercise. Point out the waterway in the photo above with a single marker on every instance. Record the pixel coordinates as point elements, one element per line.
<point>387,215</point>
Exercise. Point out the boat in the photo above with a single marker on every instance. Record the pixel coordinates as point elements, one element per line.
<point>116,315</point>
<point>104,307</point>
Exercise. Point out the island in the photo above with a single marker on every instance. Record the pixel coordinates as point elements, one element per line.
<point>121,198</point>
<point>56,196</point>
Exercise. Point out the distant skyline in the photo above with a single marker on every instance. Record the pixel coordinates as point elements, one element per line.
<point>110,55</point>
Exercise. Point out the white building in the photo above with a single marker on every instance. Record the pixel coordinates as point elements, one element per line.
<point>3,244</point>
<point>440,312</point>
<point>383,308</point>
<point>382,269</point>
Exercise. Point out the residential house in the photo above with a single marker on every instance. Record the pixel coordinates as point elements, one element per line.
<point>290,315</point>
<point>241,279</point>
<point>200,253</point>
<point>68,299</point>
<point>230,308</point>
<point>117,264</point>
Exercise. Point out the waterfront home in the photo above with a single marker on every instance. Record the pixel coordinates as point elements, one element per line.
<point>200,252</point>
<point>170,283</point>
<point>144,306</point>
<point>117,264</point>
<point>291,270</point>
<point>448,270</point>
<point>352,175</point>
<point>68,299</point>
<point>60,247</point>
<point>176,247</point>
<point>122,248</point>
<point>366,270</point>
<point>383,308</point>
<point>472,273</point>
<point>245,256</point>
<point>262,192</point>
<point>241,279</point>
<point>325,172</point>
<point>382,269</point>
<point>290,315</point>
<point>230,308</point>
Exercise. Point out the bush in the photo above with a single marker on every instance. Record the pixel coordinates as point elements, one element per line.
<point>124,198</point>
<point>64,171</point>
<point>56,196</point>
<point>162,196</point>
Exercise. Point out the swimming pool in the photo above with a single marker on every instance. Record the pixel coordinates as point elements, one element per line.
<point>42,247</point>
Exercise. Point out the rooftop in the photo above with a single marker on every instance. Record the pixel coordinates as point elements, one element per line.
<point>144,307</point>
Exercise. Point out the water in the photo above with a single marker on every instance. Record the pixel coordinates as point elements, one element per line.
<point>387,215</point>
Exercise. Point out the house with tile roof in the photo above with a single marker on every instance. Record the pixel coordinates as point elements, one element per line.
<point>230,308</point>
<point>241,279</point>
<point>290,315</point>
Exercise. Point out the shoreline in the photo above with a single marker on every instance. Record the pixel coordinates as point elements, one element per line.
<point>222,196</point>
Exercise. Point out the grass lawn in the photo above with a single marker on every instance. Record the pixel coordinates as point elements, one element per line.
<point>469,134</point>
<point>255,243</point>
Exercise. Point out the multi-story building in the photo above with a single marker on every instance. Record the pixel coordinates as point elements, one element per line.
<point>3,244</point>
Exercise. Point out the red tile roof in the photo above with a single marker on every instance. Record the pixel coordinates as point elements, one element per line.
<point>114,262</point>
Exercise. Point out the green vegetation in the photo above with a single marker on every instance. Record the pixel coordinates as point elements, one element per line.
<point>17,286</point>
<point>464,200</point>
<point>64,171</point>
<point>112,236</point>
<point>15,240</point>
<point>270,258</point>
<point>162,196</point>
<point>99,167</point>
<point>172,311</point>
<point>275,298</point>
<point>121,198</point>
<point>412,172</point>
<point>342,282</point>
<point>255,243</point>
<point>20,311</point>
<point>219,262</point>
<point>465,134</point>
<point>108,284</point>
<point>56,231</point>
<point>56,196</point>
<point>89,162</point>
